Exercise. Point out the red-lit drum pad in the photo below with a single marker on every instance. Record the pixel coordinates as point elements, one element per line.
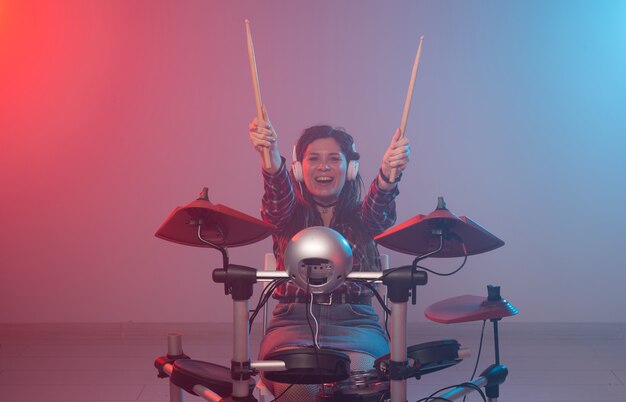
<point>189,373</point>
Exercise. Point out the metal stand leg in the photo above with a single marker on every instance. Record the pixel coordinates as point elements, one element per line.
<point>492,391</point>
<point>398,349</point>
<point>238,281</point>
<point>400,282</point>
<point>175,348</point>
<point>176,393</point>
<point>241,344</point>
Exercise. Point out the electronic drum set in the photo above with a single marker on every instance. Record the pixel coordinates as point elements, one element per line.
<point>439,234</point>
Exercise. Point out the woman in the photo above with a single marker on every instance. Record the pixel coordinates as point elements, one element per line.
<point>323,188</point>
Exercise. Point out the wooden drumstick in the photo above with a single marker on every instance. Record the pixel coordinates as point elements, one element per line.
<point>407,102</point>
<point>257,89</point>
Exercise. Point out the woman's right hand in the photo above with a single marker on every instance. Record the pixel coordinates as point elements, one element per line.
<point>263,136</point>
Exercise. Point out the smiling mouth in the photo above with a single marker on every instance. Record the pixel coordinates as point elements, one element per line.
<point>324,179</point>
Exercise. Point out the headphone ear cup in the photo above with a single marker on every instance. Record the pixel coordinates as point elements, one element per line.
<point>353,170</point>
<point>296,167</point>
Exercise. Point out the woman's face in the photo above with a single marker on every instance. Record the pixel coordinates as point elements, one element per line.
<point>324,169</point>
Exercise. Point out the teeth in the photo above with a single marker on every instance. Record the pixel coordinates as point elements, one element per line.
<point>324,179</point>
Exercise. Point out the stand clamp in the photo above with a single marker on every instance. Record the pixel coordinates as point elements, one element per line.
<point>237,280</point>
<point>167,359</point>
<point>402,281</point>
<point>241,371</point>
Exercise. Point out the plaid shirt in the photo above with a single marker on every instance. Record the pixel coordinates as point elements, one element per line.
<point>378,212</point>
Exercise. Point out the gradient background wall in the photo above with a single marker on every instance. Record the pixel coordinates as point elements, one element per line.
<point>114,112</point>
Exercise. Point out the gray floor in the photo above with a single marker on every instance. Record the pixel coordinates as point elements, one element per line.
<point>114,362</point>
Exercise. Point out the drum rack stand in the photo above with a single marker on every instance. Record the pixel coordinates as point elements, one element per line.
<point>238,282</point>
<point>204,224</point>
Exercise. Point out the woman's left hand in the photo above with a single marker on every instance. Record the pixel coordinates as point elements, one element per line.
<point>397,155</point>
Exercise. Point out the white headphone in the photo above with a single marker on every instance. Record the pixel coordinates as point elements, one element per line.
<point>296,167</point>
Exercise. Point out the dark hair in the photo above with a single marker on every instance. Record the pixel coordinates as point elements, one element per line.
<point>348,208</point>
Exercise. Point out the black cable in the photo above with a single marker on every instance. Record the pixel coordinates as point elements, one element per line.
<point>480,348</point>
<point>264,300</point>
<point>308,320</point>
<point>414,266</point>
<point>387,325</point>
<point>432,396</point>
<point>439,273</point>
<point>264,291</point>
<point>378,296</point>
<point>306,309</point>
<point>283,393</point>
<point>465,384</point>
<point>370,284</point>
<point>264,297</point>
<point>475,388</point>
<point>269,291</point>
<point>258,306</point>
